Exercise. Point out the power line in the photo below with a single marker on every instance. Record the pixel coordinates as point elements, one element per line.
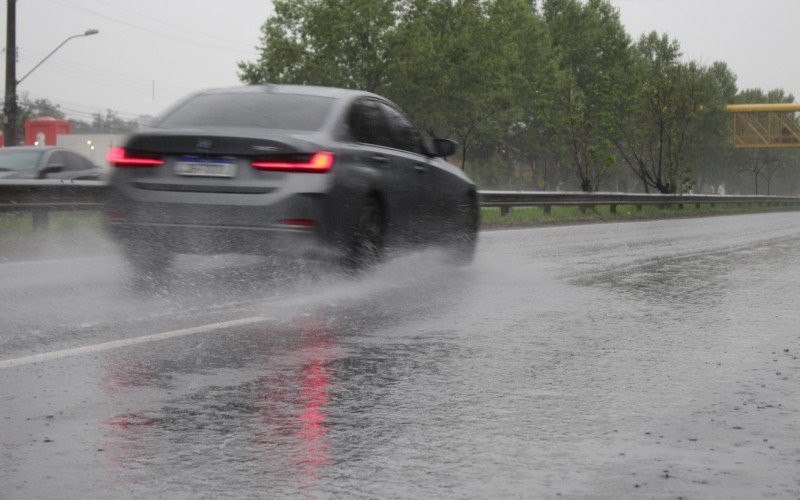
<point>84,109</point>
<point>172,37</point>
<point>139,88</point>
<point>67,63</point>
<point>161,21</point>
<point>119,82</point>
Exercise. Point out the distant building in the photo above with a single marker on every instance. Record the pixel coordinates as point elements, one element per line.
<point>45,130</point>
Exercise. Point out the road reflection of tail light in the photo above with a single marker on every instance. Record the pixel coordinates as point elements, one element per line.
<point>128,420</point>
<point>121,157</point>
<point>319,162</point>
<point>299,222</point>
<point>115,215</point>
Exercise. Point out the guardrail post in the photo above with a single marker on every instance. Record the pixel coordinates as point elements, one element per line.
<point>40,219</point>
<point>547,209</point>
<point>505,210</point>
<point>613,208</point>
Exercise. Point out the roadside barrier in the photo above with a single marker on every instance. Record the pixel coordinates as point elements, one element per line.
<point>40,197</point>
<point>506,200</point>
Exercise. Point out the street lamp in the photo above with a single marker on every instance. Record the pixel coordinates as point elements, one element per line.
<point>86,33</point>
<point>10,105</point>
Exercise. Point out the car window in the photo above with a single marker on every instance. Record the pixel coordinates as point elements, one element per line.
<point>368,124</point>
<point>75,162</point>
<point>14,160</point>
<point>57,158</point>
<point>250,110</point>
<point>405,135</point>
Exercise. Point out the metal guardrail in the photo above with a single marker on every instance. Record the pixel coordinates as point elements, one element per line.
<point>505,200</point>
<point>41,197</point>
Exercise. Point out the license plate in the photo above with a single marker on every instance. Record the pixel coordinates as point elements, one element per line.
<point>207,167</point>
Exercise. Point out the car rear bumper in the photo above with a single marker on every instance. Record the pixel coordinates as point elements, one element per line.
<point>293,225</point>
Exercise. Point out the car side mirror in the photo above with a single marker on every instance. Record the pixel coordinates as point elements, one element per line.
<point>443,148</point>
<point>50,169</point>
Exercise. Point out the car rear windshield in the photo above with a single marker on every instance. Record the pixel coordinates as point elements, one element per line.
<point>252,110</point>
<point>11,160</point>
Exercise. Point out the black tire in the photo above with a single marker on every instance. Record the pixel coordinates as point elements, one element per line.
<point>465,236</point>
<point>366,243</point>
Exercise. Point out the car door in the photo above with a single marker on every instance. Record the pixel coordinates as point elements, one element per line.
<point>376,147</point>
<point>416,171</point>
<point>53,165</point>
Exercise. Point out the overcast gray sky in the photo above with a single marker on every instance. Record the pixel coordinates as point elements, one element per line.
<point>149,53</point>
<point>759,39</point>
<point>174,46</point>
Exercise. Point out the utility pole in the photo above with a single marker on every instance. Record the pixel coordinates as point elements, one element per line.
<point>10,103</point>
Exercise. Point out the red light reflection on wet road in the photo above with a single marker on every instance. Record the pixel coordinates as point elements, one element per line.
<point>284,410</point>
<point>293,405</point>
<point>313,433</point>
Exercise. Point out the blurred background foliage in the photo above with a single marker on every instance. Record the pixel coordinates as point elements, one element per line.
<point>540,95</point>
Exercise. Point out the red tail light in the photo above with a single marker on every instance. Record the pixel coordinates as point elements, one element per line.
<point>318,162</point>
<point>121,157</point>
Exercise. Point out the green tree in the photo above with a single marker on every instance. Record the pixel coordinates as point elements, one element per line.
<point>665,98</point>
<point>709,150</point>
<point>534,98</point>
<point>111,123</point>
<point>38,108</point>
<point>325,42</point>
<point>470,69</point>
<point>593,51</point>
<point>31,109</point>
<point>460,68</point>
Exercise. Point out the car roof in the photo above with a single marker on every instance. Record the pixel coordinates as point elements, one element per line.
<point>310,90</point>
<point>34,148</point>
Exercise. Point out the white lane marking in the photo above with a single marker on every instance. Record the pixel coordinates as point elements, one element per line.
<point>116,344</point>
<point>58,260</point>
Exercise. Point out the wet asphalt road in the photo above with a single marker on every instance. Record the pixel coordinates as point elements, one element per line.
<point>649,359</point>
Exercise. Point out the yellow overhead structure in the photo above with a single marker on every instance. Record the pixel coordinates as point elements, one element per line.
<point>765,125</point>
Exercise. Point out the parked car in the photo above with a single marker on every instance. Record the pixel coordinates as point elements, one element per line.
<point>295,170</point>
<point>46,162</point>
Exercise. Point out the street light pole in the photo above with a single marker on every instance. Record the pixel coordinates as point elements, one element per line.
<point>10,106</point>
<point>86,33</point>
<point>10,102</point>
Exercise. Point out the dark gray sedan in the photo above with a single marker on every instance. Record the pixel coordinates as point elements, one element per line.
<point>295,170</point>
<point>46,162</point>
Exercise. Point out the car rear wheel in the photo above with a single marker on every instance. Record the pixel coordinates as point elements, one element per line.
<point>366,247</point>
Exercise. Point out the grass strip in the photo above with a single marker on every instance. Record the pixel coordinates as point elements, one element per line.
<point>58,221</point>
<point>537,216</point>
